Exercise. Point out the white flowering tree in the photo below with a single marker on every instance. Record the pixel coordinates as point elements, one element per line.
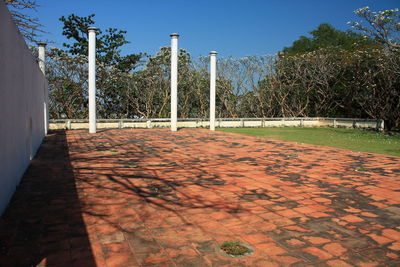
<point>383,26</point>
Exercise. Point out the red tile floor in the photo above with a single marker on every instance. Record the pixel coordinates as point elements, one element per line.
<point>156,198</point>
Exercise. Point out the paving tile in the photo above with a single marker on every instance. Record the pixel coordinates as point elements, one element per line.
<point>262,262</point>
<point>352,218</point>
<point>194,261</point>
<point>270,249</point>
<point>156,198</point>
<point>380,239</point>
<point>392,255</point>
<point>286,260</point>
<point>293,242</point>
<point>116,259</point>
<point>296,228</point>
<point>246,229</point>
<point>335,249</point>
<point>338,263</point>
<point>316,240</point>
<point>318,215</point>
<point>116,237</point>
<point>289,213</point>
<point>256,238</point>
<point>391,233</point>
<point>395,246</point>
<point>320,254</point>
<point>159,258</point>
<point>264,226</point>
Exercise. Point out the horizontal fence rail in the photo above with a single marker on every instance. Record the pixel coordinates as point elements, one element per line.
<point>221,123</point>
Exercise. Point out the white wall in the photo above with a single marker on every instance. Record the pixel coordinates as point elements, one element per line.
<point>22,87</point>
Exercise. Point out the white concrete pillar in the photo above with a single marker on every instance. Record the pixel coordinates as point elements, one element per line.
<point>213,77</point>
<point>42,66</point>
<point>92,79</point>
<point>381,126</point>
<point>174,81</point>
<point>42,56</point>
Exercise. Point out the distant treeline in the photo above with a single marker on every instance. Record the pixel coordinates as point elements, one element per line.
<point>330,74</point>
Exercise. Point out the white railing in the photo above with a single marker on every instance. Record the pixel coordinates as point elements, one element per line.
<point>221,123</point>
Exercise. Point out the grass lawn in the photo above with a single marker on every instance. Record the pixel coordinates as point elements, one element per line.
<point>353,139</point>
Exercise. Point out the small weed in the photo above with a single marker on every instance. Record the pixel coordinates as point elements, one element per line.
<point>362,170</point>
<point>234,248</point>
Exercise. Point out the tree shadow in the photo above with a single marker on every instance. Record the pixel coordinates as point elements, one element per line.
<point>43,224</point>
<point>104,181</point>
<point>123,168</point>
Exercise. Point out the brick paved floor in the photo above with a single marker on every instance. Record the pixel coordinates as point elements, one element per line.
<point>152,197</point>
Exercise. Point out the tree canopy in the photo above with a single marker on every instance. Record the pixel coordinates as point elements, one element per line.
<point>327,36</point>
<point>108,43</point>
<point>383,26</point>
<point>331,73</point>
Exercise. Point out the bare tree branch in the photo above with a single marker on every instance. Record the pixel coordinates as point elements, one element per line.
<point>29,26</point>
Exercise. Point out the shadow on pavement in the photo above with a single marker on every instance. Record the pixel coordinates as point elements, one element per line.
<point>43,224</point>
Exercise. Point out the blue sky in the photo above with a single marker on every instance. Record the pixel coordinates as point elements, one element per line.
<point>232,27</point>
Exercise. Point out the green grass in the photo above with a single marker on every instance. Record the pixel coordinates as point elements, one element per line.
<point>353,139</point>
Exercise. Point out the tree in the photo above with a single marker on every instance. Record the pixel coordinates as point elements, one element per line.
<point>108,44</point>
<point>375,82</point>
<point>333,73</point>
<point>67,77</point>
<point>149,89</point>
<point>383,26</point>
<point>327,36</point>
<point>28,25</point>
<point>114,70</point>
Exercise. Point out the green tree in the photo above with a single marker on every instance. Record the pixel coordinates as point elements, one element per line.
<point>108,43</point>
<point>327,36</point>
<point>68,83</point>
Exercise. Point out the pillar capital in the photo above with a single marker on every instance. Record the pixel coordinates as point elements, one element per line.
<point>92,29</point>
<point>213,75</point>
<point>41,44</point>
<point>174,35</point>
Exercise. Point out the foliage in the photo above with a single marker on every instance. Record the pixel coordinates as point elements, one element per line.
<point>327,36</point>
<point>333,74</point>
<point>327,82</point>
<point>337,83</point>
<point>383,26</point>
<point>108,44</point>
<point>67,73</point>
<point>234,248</point>
<point>67,78</point>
